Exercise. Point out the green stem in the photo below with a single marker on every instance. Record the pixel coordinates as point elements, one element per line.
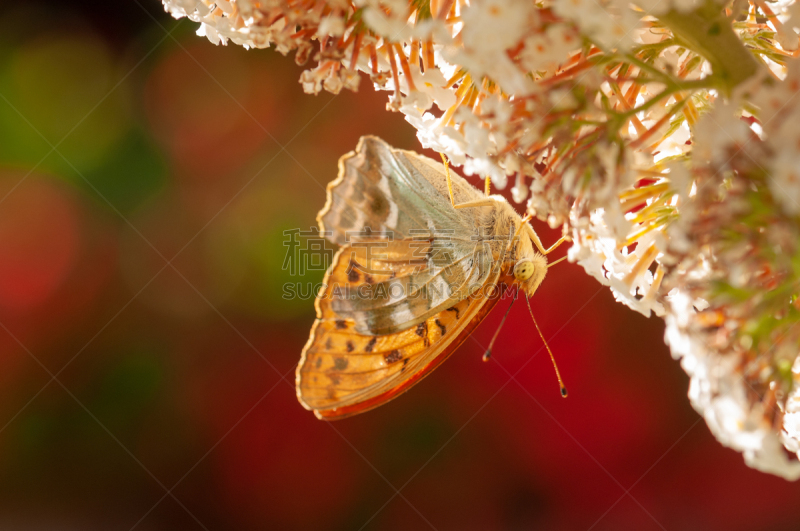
<point>666,93</point>
<point>707,31</point>
<point>673,84</point>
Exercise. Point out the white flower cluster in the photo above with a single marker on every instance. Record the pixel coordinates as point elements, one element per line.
<point>719,391</point>
<point>643,134</point>
<point>220,21</point>
<point>732,316</point>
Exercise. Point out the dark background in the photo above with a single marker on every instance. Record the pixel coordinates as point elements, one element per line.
<point>146,179</point>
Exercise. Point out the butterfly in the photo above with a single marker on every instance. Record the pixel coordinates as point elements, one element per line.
<point>424,257</point>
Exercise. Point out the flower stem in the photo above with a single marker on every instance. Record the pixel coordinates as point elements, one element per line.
<point>707,31</point>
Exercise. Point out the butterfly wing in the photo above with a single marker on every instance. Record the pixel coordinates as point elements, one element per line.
<point>395,192</point>
<point>405,289</point>
<point>343,372</point>
<point>384,287</point>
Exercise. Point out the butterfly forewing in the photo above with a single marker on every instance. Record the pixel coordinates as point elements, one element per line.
<point>393,192</point>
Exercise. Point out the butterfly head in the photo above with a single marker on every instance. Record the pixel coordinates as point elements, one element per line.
<point>529,272</point>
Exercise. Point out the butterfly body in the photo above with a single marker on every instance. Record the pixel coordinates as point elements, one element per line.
<point>413,278</point>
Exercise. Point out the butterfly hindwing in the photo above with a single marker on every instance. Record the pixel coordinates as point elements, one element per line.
<point>385,287</point>
<point>343,372</point>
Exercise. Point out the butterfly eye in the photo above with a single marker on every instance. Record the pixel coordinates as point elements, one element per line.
<point>523,270</point>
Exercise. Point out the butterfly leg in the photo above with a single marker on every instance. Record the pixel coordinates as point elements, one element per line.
<point>449,181</point>
<point>525,221</point>
<point>538,242</point>
<point>482,202</point>
<point>552,248</point>
<point>551,264</point>
<point>470,204</point>
<point>559,242</point>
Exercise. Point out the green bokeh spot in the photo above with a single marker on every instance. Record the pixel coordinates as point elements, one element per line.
<point>62,92</point>
<point>127,389</point>
<point>131,173</point>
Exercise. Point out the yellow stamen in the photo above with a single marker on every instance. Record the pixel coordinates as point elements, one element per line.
<point>630,199</point>
<point>644,263</point>
<point>659,276</point>
<point>638,234</point>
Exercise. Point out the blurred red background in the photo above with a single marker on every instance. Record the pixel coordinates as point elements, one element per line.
<point>147,354</point>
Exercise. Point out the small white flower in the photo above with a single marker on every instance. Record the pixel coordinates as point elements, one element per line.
<point>519,192</point>
<point>331,25</point>
<point>208,31</point>
<point>394,28</point>
<point>719,133</point>
<point>546,51</point>
<point>432,83</point>
<point>492,26</point>
<point>610,24</point>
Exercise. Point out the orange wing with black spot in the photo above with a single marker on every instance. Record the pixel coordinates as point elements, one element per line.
<point>345,370</point>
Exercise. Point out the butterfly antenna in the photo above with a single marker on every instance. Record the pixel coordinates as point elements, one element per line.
<point>488,353</point>
<point>552,358</point>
